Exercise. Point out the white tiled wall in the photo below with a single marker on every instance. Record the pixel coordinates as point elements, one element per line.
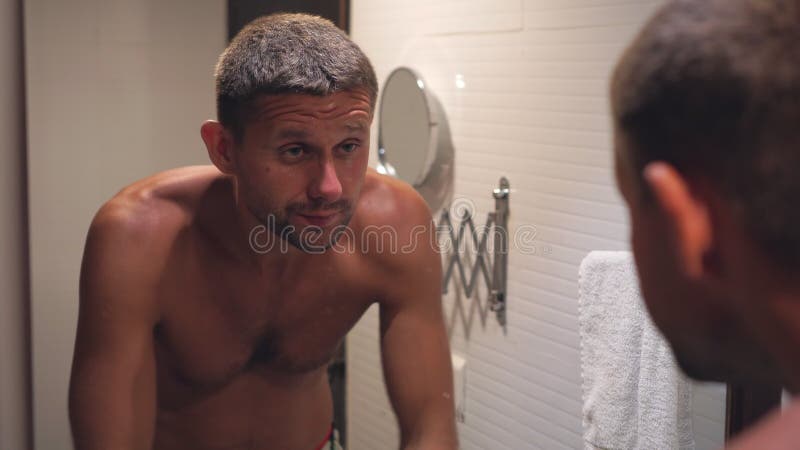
<point>117,90</point>
<point>532,106</point>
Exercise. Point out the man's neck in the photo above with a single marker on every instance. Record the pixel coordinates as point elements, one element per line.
<point>262,247</point>
<point>779,431</point>
<point>774,318</point>
<point>783,338</point>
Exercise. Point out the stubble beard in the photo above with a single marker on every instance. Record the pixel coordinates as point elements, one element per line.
<point>311,238</point>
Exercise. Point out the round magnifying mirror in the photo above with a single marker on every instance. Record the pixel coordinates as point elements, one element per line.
<point>413,137</point>
<point>404,130</point>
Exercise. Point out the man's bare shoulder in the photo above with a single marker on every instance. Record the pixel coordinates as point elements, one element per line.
<point>394,223</point>
<point>136,229</point>
<point>159,202</point>
<point>388,201</point>
<point>779,431</point>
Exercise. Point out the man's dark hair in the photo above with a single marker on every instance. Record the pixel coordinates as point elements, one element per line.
<point>283,54</point>
<point>713,88</point>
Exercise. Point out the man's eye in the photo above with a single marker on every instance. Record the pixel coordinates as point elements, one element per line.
<point>350,147</point>
<point>293,152</point>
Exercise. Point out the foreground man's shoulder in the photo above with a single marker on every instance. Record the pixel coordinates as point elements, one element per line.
<point>779,431</point>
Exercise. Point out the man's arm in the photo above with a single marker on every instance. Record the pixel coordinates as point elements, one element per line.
<point>112,396</point>
<point>414,344</point>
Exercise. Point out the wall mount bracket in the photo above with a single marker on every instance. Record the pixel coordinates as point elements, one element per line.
<point>491,264</point>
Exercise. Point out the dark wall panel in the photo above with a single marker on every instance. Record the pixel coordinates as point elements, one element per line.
<point>240,12</point>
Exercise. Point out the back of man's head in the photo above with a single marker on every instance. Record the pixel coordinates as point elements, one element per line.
<point>713,88</point>
<point>285,54</point>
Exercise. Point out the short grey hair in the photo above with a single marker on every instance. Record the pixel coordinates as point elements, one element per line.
<point>285,54</point>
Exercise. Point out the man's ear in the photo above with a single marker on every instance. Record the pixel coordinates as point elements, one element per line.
<point>686,216</point>
<point>220,146</point>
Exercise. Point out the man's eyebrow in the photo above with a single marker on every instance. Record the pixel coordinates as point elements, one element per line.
<point>292,133</point>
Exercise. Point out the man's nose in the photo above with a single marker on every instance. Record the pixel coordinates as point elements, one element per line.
<point>327,186</point>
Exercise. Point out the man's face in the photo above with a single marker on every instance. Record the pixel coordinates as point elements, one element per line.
<point>302,161</point>
<point>696,316</point>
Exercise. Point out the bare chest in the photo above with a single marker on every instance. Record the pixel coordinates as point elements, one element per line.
<point>217,328</point>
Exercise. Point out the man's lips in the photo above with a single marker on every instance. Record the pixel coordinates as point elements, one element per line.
<point>319,220</point>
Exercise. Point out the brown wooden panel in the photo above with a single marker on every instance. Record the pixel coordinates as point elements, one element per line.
<point>241,12</point>
<point>746,405</point>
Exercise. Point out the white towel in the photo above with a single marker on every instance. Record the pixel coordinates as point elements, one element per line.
<point>634,395</point>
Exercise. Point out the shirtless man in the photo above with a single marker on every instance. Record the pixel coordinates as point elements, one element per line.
<point>706,105</point>
<point>213,297</point>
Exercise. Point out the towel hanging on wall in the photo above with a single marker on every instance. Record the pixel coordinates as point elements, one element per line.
<point>634,395</point>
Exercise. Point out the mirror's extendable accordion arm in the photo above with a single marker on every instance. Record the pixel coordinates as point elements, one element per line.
<point>494,267</point>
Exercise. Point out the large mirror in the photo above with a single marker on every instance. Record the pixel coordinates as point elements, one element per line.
<point>414,137</point>
<point>117,91</point>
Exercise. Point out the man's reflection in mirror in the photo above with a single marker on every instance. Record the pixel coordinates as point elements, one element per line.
<point>706,105</point>
<point>212,298</point>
